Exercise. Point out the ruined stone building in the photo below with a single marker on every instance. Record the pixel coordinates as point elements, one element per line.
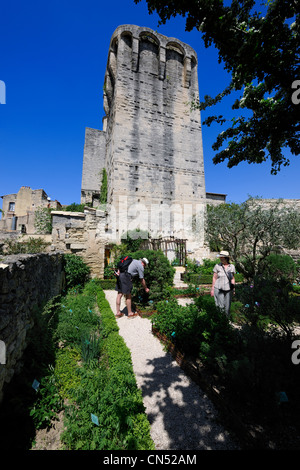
<point>151,142</point>
<point>18,210</point>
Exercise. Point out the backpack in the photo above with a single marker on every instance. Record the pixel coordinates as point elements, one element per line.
<point>124,263</point>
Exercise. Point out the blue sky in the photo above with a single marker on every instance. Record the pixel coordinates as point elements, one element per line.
<point>52,60</point>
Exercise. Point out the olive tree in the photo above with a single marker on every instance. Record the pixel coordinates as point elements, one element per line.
<point>252,230</point>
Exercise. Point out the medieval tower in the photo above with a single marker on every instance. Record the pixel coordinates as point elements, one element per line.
<point>151,142</point>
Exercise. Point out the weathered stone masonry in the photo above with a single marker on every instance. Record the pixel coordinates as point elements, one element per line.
<point>26,283</point>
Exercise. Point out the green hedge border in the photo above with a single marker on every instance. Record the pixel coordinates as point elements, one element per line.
<point>120,363</point>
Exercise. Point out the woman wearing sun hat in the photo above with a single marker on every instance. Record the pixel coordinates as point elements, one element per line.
<point>223,282</point>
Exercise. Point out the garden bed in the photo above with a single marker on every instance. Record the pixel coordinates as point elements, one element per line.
<point>208,383</point>
<point>249,408</point>
<point>78,390</point>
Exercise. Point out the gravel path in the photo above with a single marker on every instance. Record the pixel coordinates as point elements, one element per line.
<point>181,416</point>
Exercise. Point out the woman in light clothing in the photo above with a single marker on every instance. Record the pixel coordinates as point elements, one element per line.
<point>223,282</point>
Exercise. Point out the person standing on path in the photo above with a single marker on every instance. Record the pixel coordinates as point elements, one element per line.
<point>124,284</point>
<point>223,283</point>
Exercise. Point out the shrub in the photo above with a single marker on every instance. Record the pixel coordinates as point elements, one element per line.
<point>199,329</point>
<point>159,275</point>
<point>280,266</point>
<point>269,300</point>
<point>197,273</point>
<point>77,272</point>
<point>108,284</point>
<point>49,401</point>
<point>133,239</point>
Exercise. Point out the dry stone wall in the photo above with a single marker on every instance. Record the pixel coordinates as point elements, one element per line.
<point>26,283</point>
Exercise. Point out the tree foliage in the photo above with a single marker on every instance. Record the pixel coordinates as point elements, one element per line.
<point>251,231</point>
<point>260,49</point>
<point>77,271</point>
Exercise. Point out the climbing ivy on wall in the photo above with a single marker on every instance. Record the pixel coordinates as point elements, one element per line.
<point>103,191</point>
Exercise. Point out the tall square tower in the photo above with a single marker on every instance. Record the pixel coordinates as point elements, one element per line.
<point>151,143</point>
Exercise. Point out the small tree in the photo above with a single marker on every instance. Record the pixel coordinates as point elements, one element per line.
<point>251,231</point>
<point>77,272</point>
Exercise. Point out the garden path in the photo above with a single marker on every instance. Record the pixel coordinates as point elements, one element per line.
<point>181,416</point>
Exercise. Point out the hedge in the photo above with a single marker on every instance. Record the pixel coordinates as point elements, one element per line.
<point>206,278</point>
<point>121,372</point>
<point>104,388</point>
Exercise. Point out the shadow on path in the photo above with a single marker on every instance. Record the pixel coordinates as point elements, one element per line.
<point>177,405</point>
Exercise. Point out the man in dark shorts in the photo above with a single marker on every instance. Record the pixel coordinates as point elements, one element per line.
<point>124,284</point>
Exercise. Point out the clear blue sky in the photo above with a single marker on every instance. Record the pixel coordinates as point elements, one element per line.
<point>52,59</point>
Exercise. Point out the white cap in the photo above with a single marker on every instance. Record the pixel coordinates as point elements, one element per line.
<point>145,261</point>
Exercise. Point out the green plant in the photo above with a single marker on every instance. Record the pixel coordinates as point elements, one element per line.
<point>133,239</point>
<point>67,362</point>
<point>74,207</point>
<point>280,266</point>
<point>48,402</point>
<point>108,391</point>
<point>43,220</point>
<point>269,301</point>
<point>103,190</point>
<point>254,230</point>
<point>32,246</point>
<point>77,318</point>
<point>90,347</point>
<point>108,284</point>
<point>77,272</point>
<point>159,276</point>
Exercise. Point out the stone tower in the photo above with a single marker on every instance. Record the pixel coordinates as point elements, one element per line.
<point>151,142</point>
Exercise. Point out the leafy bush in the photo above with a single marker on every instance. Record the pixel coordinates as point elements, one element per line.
<point>77,272</point>
<point>269,300</point>
<point>159,276</point>
<point>199,329</point>
<point>49,401</point>
<point>233,356</point>
<point>280,266</point>
<point>134,238</point>
<point>197,273</point>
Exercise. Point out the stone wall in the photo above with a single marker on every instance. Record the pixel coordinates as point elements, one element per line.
<point>83,234</point>
<point>93,163</point>
<point>26,283</point>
